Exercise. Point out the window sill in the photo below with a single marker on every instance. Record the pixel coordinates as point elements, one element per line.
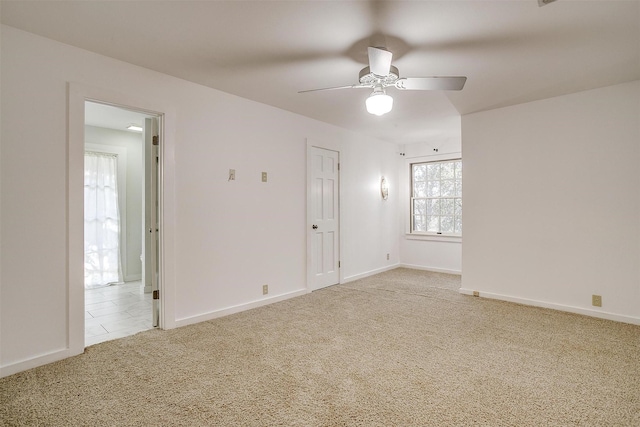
<point>434,237</point>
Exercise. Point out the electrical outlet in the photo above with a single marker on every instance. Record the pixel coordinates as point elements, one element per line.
<point>596,300</point>
<point>387,257</point>
<point>476,293</point>
<point>232,174</point>
<point>264,177</point>
<point>265,289</point>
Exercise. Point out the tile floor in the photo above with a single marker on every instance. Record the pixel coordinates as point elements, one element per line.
<point>115,312</point>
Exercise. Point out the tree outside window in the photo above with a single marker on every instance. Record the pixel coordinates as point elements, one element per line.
<point>436,198</point>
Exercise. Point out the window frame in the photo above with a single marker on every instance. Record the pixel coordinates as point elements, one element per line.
<point>428,235</point>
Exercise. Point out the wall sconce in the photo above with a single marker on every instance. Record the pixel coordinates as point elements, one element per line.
<point>384,188</point>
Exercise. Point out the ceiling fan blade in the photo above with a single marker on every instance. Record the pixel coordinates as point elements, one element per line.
<point>431,83</point>
<point>335,88</point>
<point>379,61</point>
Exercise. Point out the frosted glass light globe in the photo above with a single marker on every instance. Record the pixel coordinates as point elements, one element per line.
<point>379,103</point>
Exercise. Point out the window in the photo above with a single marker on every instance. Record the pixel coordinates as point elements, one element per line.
<point>436,197</point>
<point>101,220</point>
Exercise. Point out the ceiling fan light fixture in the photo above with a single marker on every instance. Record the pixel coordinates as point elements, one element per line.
<point>379,102</point>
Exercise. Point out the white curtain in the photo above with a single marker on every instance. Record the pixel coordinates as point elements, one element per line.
<point>101,220</point>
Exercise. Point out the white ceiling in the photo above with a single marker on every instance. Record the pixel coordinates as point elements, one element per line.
<point>107,116</point>
<point>511,51</point>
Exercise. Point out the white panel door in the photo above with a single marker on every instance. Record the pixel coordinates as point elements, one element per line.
<point>325,226</point>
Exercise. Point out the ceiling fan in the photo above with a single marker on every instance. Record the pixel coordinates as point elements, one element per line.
<point>380,74</point>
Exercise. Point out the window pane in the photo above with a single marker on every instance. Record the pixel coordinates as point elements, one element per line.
<point>446,170</point>
<point>433,171</point>
<point>446,224</point>
<point>436,204</point>
<point>447,188</point>
<point>419,172</point>
<point>433,188</point>
<point>433,207</point>
<point>433,223</point>
<point>458,225</point>
<point>458,169</point>
<point>446,206</point>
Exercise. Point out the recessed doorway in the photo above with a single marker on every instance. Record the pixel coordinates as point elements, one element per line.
<point>120,222</point>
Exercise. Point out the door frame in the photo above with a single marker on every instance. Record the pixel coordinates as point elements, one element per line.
<point>332,146</point>
<point>77,94</point>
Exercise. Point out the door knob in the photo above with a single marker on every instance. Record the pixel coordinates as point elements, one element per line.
<point>315,227</point>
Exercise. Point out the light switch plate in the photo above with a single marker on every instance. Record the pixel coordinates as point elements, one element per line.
<point>264,177</point>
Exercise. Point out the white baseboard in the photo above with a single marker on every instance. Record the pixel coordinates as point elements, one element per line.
<point>238,308</point>
<point>34,362</point>
<point>560,307</point>
<point>147,289</point>
<point>133,278</point>
<point>368,273</point>
<point>434,269</point>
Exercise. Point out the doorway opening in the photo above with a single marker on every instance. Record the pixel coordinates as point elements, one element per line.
<point>121,251</point>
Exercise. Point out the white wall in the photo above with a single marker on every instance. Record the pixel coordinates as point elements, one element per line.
<point>552,202</point>
<point>443,254</point>
<point>231,237</point>
<point>363,205</point>
<point>132,142</point>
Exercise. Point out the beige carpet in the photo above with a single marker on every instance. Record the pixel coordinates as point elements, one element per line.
<point>402,348</point>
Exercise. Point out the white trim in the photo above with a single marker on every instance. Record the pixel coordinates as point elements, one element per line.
<point>435,157</point>
<point>434,269</point>
<point>560,307</point>
<point>77,95</point>
<point>369,273</point>
<point>433,238</point>
<point>34,362</point>
<point>75,220</point>
<point>239,308</point>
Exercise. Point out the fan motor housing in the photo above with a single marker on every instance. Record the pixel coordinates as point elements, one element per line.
<point>368,78</point>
